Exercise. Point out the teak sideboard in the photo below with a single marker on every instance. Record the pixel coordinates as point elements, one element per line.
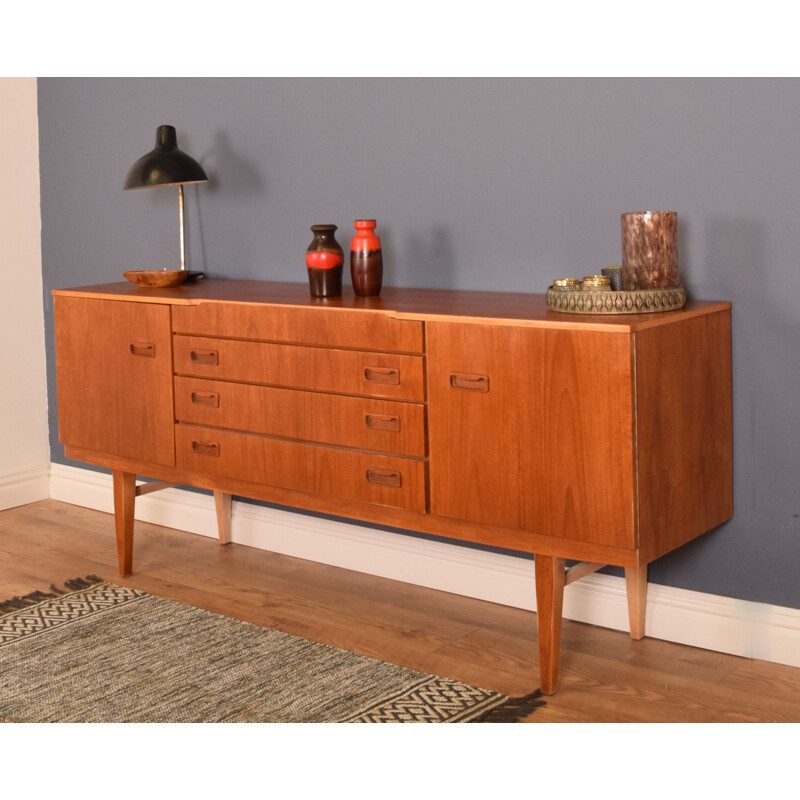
<point>478,416</point>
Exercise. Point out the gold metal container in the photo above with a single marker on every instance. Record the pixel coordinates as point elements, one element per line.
<point>596,283</point>
<point>567,285</point>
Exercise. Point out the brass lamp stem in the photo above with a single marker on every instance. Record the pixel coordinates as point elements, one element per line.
<point>180,225</point>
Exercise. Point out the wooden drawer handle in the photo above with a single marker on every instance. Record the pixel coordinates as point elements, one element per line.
<point>385,477</point>
<point>142,349</point>
<point>205,448</point>
<point>472,383</point>
<point>210,357</point>
<point>382,422</point>
<point>206,399</point>
<point>382,374</point>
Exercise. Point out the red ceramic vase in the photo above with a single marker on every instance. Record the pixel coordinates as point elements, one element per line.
<point>325,261</point>
<point>366,259</point>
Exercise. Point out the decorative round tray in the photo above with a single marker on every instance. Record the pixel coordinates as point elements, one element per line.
<point>643,301</point>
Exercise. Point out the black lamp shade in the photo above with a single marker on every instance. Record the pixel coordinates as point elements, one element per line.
<point>165,165</point>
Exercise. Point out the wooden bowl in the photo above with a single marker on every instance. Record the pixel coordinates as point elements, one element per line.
<point>157,278</point>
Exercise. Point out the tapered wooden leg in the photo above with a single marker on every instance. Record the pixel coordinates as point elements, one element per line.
<point>222,500</point>
<point>636,585</point>
<point>124,499</point>
<point>549,605</point>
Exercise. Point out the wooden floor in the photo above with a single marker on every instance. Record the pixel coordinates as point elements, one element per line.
<point>605,676</point>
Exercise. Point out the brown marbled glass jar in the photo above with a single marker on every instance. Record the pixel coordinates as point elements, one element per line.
<point>650,250</point>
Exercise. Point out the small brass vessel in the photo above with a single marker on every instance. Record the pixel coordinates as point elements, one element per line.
<point>596,283</point>
<point>567,284</point>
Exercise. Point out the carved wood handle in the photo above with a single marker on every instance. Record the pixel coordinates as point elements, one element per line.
<point>382,374</point>
<point>206,399</point>
<point>382,422</point>
<point>205,448</point>
<point>385,477</point>
<point>210,357</point>
<point>143,349</point>
<point>472,383</point>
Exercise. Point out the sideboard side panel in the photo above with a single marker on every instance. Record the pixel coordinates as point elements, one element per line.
<point>684,430</point>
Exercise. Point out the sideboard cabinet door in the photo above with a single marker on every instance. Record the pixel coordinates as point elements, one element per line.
<point>114,371</point>
<point>531,429</point>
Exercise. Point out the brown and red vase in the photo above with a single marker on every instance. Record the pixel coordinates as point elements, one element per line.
<point>366,259</point>
<point>325,261</point>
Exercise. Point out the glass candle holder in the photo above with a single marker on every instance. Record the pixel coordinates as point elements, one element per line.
<point>596,283</point>
<point>567,284</point>
<point>650,250</point>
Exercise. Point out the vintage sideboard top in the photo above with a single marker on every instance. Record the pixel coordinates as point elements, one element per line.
<point>500,308</point>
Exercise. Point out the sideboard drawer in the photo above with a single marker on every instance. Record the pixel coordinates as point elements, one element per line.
<point>384,426</point>
<point>399,377</point>
<point>315,469</point>
<point>327,327</point>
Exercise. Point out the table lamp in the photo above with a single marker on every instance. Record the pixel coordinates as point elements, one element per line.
<point>166,165</point>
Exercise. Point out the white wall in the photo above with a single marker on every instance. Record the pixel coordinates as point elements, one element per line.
<point>24,447</point>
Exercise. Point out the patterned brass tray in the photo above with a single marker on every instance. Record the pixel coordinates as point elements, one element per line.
<point>639,302</point>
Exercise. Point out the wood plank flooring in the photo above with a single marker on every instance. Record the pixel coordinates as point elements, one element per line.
<point>605,675</point>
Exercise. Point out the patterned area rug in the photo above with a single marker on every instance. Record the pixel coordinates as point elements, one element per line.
<point>96,652</point>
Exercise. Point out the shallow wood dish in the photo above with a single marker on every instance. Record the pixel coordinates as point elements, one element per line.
<point>157,278</point>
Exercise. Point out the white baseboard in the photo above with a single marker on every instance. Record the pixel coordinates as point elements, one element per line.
<point>753,630</point>
<point>18,487</point>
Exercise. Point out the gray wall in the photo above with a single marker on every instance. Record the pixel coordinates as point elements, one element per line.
<point>476,184</point>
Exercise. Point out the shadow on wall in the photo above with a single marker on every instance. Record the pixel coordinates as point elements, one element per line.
<point>765,293</point>
<point>733,253</point>
<point>242,175</point>
<point>729,265</point>
<point>420,260</point>
<point>766,364</point>
<point>684,251</point>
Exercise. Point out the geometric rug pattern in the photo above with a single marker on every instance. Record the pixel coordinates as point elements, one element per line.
<point>107,653</point>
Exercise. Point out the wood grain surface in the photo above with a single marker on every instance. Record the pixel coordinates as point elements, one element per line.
<point>392,375</point>
<point>395,303</point>
<point>548,447</point>
<point>385,426</point>
<point>314,469</point>
<point>319,325</point>
<point>684,440</point>
<point>114,369</point>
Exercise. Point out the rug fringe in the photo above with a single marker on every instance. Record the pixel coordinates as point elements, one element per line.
<point>514,708</point>
<point>32,598</point>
